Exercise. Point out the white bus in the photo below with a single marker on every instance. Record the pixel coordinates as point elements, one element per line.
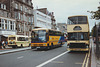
<point>15,41</point>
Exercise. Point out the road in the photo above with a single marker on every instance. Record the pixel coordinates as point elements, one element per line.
<point>58,57</point>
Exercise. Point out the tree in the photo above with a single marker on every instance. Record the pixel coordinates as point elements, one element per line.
<point>95,14</point>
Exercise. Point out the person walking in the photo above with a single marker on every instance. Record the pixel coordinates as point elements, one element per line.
<point>6,43</point>
<point>0,45</point>
<point>3,44</point>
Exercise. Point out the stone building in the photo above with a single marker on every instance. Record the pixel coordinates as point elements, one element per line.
<point>7,23</point>
<point>22,11</point>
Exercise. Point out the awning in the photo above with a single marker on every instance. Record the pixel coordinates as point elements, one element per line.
<point>5,35</point>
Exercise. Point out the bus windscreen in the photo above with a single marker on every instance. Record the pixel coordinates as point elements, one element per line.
<point>77,20</point>
<point>39,35</point>
<point>11,38</point>
<point>78,36</point>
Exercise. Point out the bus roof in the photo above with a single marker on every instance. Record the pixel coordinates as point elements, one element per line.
<point>40,29</point>
<point>44,29</point>
<point>77,15</point>
<point>17,36</point>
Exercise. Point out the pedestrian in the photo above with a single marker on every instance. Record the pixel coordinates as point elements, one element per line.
<point>3,44</point>
<point>6,43</point>
<point>0,45</point>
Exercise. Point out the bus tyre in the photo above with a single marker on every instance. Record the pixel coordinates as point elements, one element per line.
<point>52,46</point>
<point>14,46</point>
<point>21,45</point>
<point>32,47</point>
<point>48,47</point>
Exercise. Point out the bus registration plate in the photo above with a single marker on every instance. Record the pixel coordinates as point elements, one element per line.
<point>38,47</point>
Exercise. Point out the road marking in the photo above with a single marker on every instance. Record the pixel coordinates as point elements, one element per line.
<point>78,63</point>
<point>57,62</point>
<point>42,51</point>
<point>84,60</point>
<point>51,59</point>
<point>20,57</point>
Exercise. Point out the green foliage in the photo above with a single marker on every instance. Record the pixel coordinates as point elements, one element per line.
<point>96,15</point>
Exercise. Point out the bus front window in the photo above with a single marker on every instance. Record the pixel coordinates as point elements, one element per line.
<point>42,35</point>
<point>77,20</point>
<point>39,35</point>
<point>11,38</point>
<point>78,36</point>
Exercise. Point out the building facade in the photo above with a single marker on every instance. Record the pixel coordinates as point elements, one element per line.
<point>62,27</point>
<point>41,20</point>
<point>53,21</point>
<point>51,14</point>
<point>7,23</point>
<point>22,11</point>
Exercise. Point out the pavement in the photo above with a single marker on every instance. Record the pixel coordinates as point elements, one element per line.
<point>11,50</point>
<point>94,61</point>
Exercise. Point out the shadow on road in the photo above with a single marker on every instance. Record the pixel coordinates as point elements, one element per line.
<point>78,52</point>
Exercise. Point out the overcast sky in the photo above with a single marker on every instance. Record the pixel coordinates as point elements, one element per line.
<point>64,8</point>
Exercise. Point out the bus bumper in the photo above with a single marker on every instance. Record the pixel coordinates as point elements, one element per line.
<point>10,45</point>
<point>78,49</point>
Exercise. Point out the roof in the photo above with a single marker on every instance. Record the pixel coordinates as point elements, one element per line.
<point>77,15</point>
<point>18,35</point>
<point>44,29</point>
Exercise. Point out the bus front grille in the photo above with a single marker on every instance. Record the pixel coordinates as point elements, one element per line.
<point>77,45</point>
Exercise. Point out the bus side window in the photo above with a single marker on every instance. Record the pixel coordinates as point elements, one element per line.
<point>47,36</point>
<point>26,39</point>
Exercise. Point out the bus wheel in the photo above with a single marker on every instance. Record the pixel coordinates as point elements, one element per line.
<point>52,46</point>
<point>21,45</point>
<point>14,46</point>
<point>48,47</point>
<point>32,47</point>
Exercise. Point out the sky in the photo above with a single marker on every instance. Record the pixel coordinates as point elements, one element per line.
<point>64,8</point>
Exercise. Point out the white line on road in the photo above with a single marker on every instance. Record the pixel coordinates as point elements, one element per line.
<point>20,57</point>
<point>51,59</point>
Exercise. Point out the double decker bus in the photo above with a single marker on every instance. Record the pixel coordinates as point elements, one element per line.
<point>42,38</point>
<point>78,33</point>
